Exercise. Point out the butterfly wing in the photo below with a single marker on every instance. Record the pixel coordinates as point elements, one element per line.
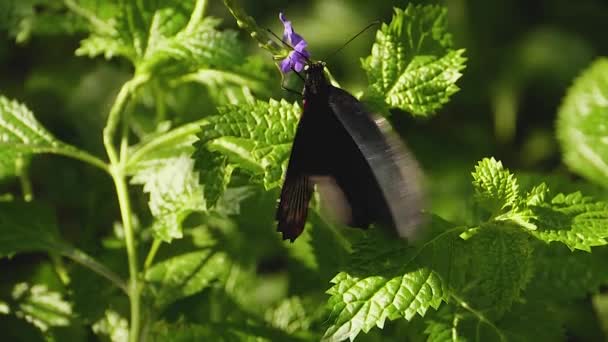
<point>297,189</point>
<point>396,175</point>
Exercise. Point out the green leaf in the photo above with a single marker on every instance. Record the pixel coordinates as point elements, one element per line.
<point>289,315</point>
<point>581,124</point>
<point>20,136</point>
<point>27,228</point>
<point>412,61</point>
<point>174,191</point>
<point>112,325</point>
<point>390,280</point>
<point>186,274</point>
<point>24,19</point>
<point>574,220</point>
<point>199,47</point>
<point>126,28</point>
<point>215,174</point>
<point>41,307</point>
<point>564,274</point>
<point>255,137</point>
<point>501,266</point>
<point>495,187</point>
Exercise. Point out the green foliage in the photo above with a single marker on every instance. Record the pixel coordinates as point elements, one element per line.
<point>581,124</point>
<point>27,228</point>
<point>495,187</point>
<point>413,64</point>
<point>40,306</point>
<point>254,136</point>
<point>197,150</point>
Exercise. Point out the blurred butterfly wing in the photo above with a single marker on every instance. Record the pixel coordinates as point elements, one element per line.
<point>395,170</point>
<point>297,189</point>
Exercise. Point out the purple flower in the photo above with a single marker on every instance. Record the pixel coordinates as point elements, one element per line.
<point>298,57</point>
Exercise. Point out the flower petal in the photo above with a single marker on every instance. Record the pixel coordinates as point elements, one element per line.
<point>286,65</point>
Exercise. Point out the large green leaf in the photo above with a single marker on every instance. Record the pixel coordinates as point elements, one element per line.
<point>390,280</point>
<point>21,136</point>
<point>581,124</point>
<point>412,65</point>
<point>577,221</point>
<point>186,274</point>
<point>174,191</point>
<point>255,137</point>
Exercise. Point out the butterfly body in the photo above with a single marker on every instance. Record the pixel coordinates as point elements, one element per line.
<point>359,169</point>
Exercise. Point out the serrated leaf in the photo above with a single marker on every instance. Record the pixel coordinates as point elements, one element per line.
<point>289,315</point>
<point>174,191</point>
<point>501,265</point>
<point>495,187</point>
<point>581,124</point>
<point>215,174</point>
<point>198,47</point>
<point>112,325</point>
<point>41,307</point>
<point>565,274</point>
<point>128,27</point>
<point>21,136</point>
<point>186,274</point>
<point>390,280</point>
<point>27,228</point>
<point>574,220</point>
<point>256,137</point>
<point>412,62</point>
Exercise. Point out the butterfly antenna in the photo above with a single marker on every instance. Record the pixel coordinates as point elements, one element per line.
<point>373,23</point>
<point>287,45</point>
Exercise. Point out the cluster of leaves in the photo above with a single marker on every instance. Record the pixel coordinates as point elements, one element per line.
<point>211,186</point>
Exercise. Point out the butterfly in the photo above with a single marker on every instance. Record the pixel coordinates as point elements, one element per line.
<point>362,170</point>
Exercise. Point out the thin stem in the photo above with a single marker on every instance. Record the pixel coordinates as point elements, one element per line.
<point>122,98</point>
<point>179,133</point>
<point>134,289</point>
<point>152,253</point>
<point>82,156</point>
<point>24,179</point>
<point>159,99</point>
<point>479,316</point>
<point>87,261</point>
<point>197,15</point>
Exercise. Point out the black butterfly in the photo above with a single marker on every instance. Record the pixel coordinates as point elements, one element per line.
<point>363,172</point>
